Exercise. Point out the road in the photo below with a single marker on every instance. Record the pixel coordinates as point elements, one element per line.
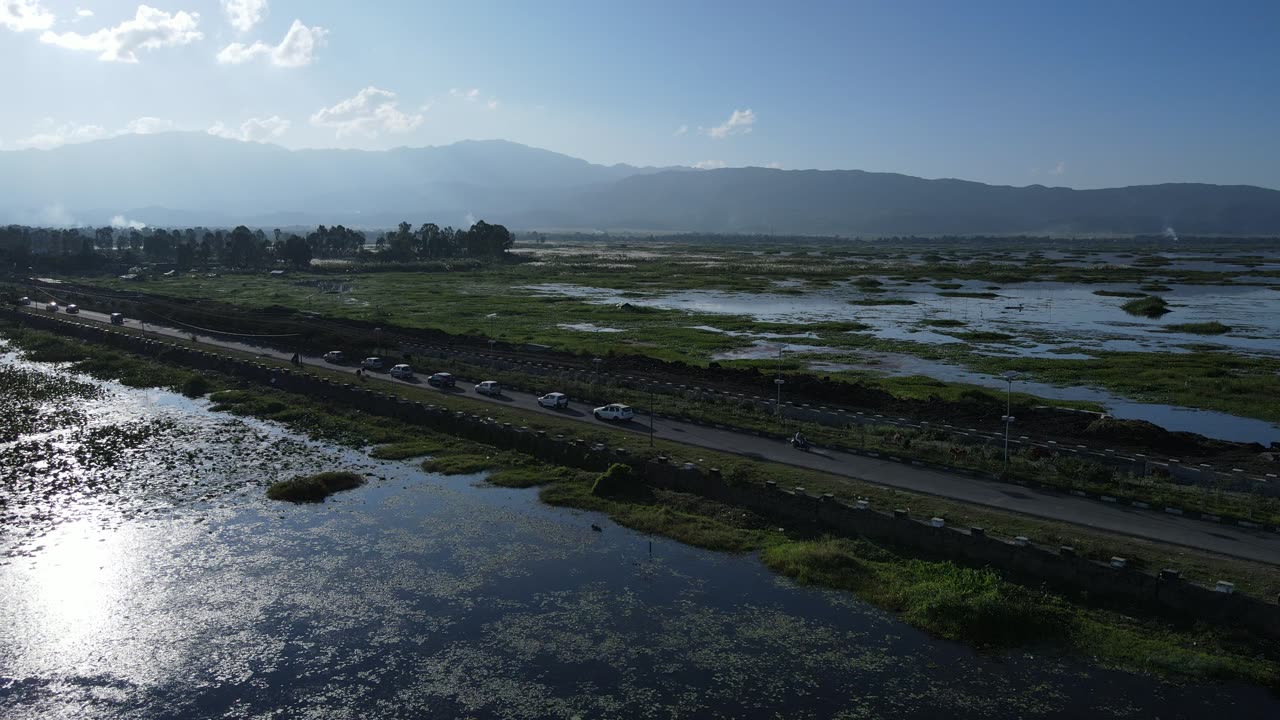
<point>1249,544</point>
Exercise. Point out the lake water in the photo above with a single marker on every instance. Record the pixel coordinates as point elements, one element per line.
<point>1047,320</point>
<point>156,581</point>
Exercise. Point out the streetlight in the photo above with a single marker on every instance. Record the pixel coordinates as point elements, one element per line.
<point>779,382</point>
<point>651,426</point>
<point>1009,376</point>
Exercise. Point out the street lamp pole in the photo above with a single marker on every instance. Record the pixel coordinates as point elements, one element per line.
<point>779,382</point>
<point>1009,376</point>
<point>650,415</point>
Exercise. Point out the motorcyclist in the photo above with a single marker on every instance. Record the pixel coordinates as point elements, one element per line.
<point>800,440</point>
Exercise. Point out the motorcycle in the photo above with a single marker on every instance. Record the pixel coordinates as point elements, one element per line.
<point>799,444</point>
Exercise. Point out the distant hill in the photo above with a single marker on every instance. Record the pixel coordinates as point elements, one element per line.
<point>195,178</point>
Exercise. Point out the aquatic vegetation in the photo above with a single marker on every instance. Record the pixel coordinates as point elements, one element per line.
<point>1152,306</point>
<point>968,294</point>
<point>943,322</point>
<point>1119,293</point>
<point>1212,327</point>
<point>1154,287</point>
<point>314,488</point>
<point>872,302</point>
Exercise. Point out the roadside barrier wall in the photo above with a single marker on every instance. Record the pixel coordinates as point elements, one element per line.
<point>1060,567</point>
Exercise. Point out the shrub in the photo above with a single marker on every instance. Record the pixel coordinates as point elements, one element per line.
<point>195,386</point>
<point>618,481</point>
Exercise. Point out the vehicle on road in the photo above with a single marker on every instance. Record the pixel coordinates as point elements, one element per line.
<point>337,357</point>
<point>490,388</point>
<point>614,411</point>
<point>371,363</point>
<point>24,300</point>
<point>51,307</point>
<point>555,400</point>
<point>117,318</point>
<point>441,380</point>
<point>73,309</point>
<point>402,371</point>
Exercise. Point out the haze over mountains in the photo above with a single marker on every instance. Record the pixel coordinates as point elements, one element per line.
<point>196,178</point>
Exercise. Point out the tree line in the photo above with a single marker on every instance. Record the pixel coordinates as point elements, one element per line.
<point>242,247</point>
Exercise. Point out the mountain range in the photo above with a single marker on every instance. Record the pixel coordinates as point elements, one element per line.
<point>198,179</point>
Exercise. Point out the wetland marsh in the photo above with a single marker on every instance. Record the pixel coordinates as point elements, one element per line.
<point>159,581</point>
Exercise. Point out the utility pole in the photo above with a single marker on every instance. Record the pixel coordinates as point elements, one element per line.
<point>1009,376</point>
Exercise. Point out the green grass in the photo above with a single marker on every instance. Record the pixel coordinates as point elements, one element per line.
<point>1152,306</point>
<point>314,488</point>
<point>1203,328</point>
<point>405,450</point>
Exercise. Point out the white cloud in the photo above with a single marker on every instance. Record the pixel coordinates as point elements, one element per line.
<point>120,221</point>
<point>51,136</point>
<point>244,14</point>
<point>83,13</point>
<point>493,104</point>
<point>470,95</point>
<point>24,15</point>
<point>297,49</point>
<point>775,165</point>
<point>681,130</point>
<point>253,129</point>
<point>1060,168</point>
<point>710,165</point>
<point>369,112</point>
<point>148,30</point>
<point>148,125</point>
<point>739,123</point>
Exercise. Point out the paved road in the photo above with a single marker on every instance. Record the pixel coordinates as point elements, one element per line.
<point>1219,538</point>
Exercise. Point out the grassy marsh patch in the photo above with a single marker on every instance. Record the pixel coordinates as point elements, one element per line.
<point>1212,327</point>
<point>1152,306</point>
<point>314,488</point>
<point>968,294</point>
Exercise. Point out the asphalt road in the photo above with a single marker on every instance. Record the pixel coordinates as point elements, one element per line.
<point>1225,539</point>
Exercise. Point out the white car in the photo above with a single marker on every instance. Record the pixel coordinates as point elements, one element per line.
<point>554,400</point>
<point>613,411</point>
<point>489,387</point>
<point>72,309</point>
<point>24,300</point>
<point>371,363</point>
<point>402,371</point>
<point>51,307</point>
<point>337,357</point>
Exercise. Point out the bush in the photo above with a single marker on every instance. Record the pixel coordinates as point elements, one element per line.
<point>314,488</point>
<point>195,386</point>
<point>618,481</point>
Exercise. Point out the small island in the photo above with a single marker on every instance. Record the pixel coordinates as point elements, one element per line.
<point>314,488</point>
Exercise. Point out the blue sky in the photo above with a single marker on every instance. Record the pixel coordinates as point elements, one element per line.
<point>1083,94</point>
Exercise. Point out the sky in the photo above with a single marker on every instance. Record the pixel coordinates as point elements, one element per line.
<point>1080,94</point>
